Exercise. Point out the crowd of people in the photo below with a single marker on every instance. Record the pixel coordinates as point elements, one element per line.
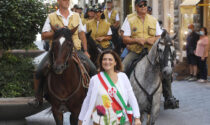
<point>197,52</point>
<point>139,30</point>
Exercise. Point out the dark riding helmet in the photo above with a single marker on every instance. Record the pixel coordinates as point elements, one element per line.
<point>139,1</point>
<point>75,6</point>
<point>79,7</point>
<point>90,8</point>
<point>98,8</point>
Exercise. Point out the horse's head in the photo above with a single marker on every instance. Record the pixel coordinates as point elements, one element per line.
<point>167,54</point>
<point>93,48</point>
<point>62,47</point>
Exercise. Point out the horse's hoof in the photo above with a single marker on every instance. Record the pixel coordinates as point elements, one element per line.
<point>171,103</point>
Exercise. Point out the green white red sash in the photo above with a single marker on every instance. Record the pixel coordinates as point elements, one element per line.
<point>119,106</point>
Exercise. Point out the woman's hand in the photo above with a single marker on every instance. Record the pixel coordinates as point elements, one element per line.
<point>79,122</point>
<point>137,121</point>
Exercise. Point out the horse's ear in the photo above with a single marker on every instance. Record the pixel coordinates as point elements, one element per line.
<point>173,37</point>
<point>89,33</point>
<point>163,33</point>
<point>74,29</point>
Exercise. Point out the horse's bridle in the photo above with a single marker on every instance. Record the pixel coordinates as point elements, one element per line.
<point>68,56</point>
<point>160,62</point>
<point>64,100</point>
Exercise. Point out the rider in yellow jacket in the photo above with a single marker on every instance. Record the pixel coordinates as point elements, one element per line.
<point>111,15</point>
<point>89,15</point>
<point>101,31</point>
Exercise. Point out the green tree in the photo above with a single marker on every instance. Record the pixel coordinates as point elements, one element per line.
<point>20,21</point>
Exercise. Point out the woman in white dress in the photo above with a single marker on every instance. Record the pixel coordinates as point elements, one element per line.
<point>109,95</point>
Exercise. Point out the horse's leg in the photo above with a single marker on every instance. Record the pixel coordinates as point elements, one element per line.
<point>73,119</point>
<point>58,116</point>
<point>143,118</point>
<point>148,119</point>
<point>155,106</point>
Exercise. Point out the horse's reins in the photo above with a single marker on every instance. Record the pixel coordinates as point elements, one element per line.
<point>149,96</point>
<point>59,98</point>
<point>66,61</point>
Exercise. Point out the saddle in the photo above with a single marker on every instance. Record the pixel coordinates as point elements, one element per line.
<point>132,65</point>
<point>83,68</point>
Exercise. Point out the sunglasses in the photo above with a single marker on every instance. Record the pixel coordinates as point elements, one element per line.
<point>142,5</point>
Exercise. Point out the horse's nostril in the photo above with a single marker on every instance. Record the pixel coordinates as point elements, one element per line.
<point>62,66</point>
<point>164,72</point>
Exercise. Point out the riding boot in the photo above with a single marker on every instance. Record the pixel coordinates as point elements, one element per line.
<point>170,101</point>
<point>38,88</point>
<point>39,79</point>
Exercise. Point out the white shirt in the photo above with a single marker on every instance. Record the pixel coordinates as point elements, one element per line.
<point>109,32</point>
<point>90,100</point>
<point>117,18</point>
<point>127,29</point>
<point>47,27</point>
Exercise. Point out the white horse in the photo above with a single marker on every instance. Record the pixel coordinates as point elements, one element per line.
<point>147,75</point>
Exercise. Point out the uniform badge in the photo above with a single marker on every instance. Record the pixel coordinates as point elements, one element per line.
<point>112,91</point>
<point>57,26</point>
<point>134,29</point>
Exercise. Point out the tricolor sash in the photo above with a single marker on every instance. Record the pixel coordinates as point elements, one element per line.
<point>119,105</point>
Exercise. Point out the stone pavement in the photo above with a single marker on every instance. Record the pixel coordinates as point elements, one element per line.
<point>194,107</point>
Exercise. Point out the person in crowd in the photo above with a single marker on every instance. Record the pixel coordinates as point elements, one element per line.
<point>149,10</point>
<point>109,94</point>
<point>59,19</point>
<point>111,15</point>
<point>79,10</point>
<point>74,8</point>
<point>201,52</point>
<point>101,31</point>
<point>192,39</point>
<point>89,15</point>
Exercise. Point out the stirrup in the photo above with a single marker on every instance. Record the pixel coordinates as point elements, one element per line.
<point>35,103</point>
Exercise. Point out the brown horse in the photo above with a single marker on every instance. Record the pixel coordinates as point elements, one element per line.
<point>64,91</point>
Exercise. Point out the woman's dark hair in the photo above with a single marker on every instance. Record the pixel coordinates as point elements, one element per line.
<point>117,68</point>
<point>102,15</point>
<point>205,30</point>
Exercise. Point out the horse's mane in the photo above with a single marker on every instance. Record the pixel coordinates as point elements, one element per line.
<point>63,32</point>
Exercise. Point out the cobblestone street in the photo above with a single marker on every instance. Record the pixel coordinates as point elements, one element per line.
<point>194,107</point>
